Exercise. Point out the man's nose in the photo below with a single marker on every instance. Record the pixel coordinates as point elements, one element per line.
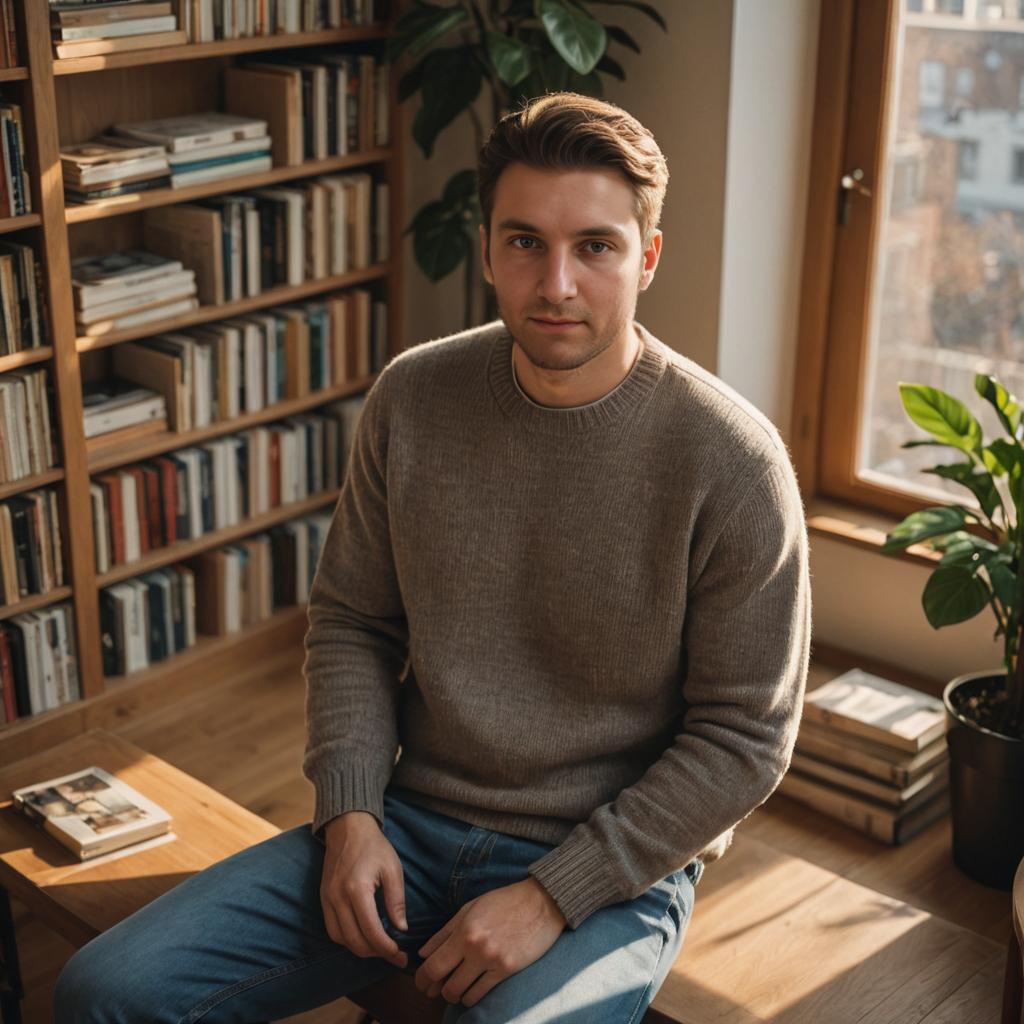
<point>559,280</point>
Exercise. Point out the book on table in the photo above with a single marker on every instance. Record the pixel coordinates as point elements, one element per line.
<point>92,812</point>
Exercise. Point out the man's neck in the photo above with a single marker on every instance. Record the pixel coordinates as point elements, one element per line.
<point>569,388</point>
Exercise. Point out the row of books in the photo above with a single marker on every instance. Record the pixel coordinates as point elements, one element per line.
<point>872,753</point>
<point>38,662</point>
<point>23,322</point>
<point>196,490</point>
<point>155,616</point>
<point>216,372</point>
<point>87,29</point>
<point>8,35</point>
<point>242,245</point>
<point>26,440</point>
<point>208,20</point>
<point>15,194</point>
<point>170,152</point>
<point>31,558</point>
<point>326,104</point>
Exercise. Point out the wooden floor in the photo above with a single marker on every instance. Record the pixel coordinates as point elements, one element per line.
<point>246,740</point>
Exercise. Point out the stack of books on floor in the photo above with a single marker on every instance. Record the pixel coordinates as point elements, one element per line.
<point>208,20</point>
<point>111,166</point>
<point>872,753</point>
<point>15,194</point>
<point>8,35</point>
<point>38,663</point>
<point>28,446</point>
<point>206,147</point>
<point>82,28</point>
<point>31,558</point>
<point>22,311</point>
<point>127,289</point>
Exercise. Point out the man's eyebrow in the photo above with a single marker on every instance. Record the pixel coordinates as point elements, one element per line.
<point>521,225</point>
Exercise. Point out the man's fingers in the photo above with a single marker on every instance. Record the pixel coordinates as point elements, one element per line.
<point>331,921</point>
<point>353,936</point>
<point>435,940</point>
<point>368,918</point>
<point>393,885</point>
<point>483,985</point>
<point>460,980</point>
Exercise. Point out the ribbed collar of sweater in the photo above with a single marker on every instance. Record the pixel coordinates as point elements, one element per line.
<point>618,405</point>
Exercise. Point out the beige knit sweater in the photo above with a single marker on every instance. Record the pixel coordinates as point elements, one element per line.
<point>585,626</point>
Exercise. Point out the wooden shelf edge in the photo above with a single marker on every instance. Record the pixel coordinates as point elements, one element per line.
<point>35,602</point>
<point>182,550</point>
<point>206,314</point>
<point>17,74</point>
<point>78,213</point>
<point>148,689</point>
<point>26,220</point>
<point>220,48</point>
<point>28,356</point>
<point>145,448</point>
<point>28,483</point>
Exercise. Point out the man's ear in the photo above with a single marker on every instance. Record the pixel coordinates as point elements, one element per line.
<point>485,258</point>
<point>650,260</point>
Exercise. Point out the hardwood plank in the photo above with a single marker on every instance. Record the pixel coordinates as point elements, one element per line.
<point>975,1002</point>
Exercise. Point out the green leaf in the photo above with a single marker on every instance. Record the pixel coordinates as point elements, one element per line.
<point>610,66</point>
<point>980,484</point>
<point>621,36</point>
<point>440,243</point>
<point>451,83</point>
<point>577,37</point>
<point>461,186</point>
<point>946,418</point>
<point>1006,406</point>
<point>922,444</point>
<point>410,82</point>
<point>1004,583</point>
<point>928,522</point>
<point>953,594</point>
<point>965,549</point>
<point>643,8</point>
<point>511,57</point>
<point>420,26</point>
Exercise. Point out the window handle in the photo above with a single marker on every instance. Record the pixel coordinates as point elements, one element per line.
<point>849,183</point>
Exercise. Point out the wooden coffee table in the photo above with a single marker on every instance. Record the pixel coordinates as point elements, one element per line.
<point>79,900</point>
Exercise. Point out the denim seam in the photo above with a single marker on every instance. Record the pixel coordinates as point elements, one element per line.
<point>202,1009</point>
<point>650,980</point>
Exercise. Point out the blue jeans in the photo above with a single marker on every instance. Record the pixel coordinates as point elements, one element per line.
<point>244,940</point>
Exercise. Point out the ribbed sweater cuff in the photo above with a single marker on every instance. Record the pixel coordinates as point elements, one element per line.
<point>578,877</point>
<point>350,787</point>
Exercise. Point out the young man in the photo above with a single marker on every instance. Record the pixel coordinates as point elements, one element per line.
<point>557,649</point>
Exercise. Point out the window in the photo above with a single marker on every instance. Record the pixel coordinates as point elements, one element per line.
<point>964,81</point>
<point>923,279</point>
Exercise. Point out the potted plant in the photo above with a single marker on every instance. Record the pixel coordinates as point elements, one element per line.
<point>981,566</point>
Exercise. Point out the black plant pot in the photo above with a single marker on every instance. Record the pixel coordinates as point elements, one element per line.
<point>986,779</point>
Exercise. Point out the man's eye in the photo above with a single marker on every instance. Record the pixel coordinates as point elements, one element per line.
<point>605,244</point>
<point>521,238</point>
<point>526,238</point>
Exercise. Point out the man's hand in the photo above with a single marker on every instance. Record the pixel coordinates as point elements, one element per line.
<point>489,939</point>
<point>358,859</point>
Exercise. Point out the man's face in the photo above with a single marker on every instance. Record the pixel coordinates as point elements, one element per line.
<point>565,245</point>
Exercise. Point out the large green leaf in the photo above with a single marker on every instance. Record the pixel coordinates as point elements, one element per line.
<point>621,36</point>
<point>1006,406</point>
<point>451,83</point>
<point>460,186</point>
<point>440,243</point>
<point>511,57</point>
<point>1004,583</point>
<point>965,549</point>
<point>953,594</point>
<point>928,522</point>
<point>578,38</point>
<point>980,483</point>
<point>420,26</point>
<point>647,9</point>
<point>409,84</point>
<point>946,418</point>
<point>610,66</point>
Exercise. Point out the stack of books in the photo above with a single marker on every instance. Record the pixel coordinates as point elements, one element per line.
<point>15,195</point>
<point>207,20</point>
<point>8,35</point>
<point>87,28</point>
<point>31,559</point>
<point>92,812</point>
<point>112,166</point>
<point>38,663</point>
<point>22,311</point>
<point>126,289</point>
<point>28,446</point>
<point>206,147</point>
<point>119,410</point>
<point>872,753</point>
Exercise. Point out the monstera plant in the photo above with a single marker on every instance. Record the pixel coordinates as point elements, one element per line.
<point>981,567</point>
<point>515,49</point>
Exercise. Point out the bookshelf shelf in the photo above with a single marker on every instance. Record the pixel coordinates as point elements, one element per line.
<point>26,220</point>
<point>13,74</point>
<point>221,48</point>
<point>145,448</point>
<point>36,601</point>
<point>78,213</point>
<point>16,360</point>
<point>205,314</point>
<point>29,483</point>
<point>187,548</point>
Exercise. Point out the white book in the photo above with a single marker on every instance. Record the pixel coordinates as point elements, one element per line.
<point>336,220</point>
<point>194,131</point>
<point>59,657</point>
<point>180,286</point>
<point>29,623</point>
<point>194,485</point>
<point>295,204</point>
<point>253,282</point>
<point>130,517</point>
<point>188,599</point>
<point>122,268</point>
<point>87,300</point>
<point>99,520</point>
<point>104,421</point>
<point>165,311</point>
<point>134,27</point>
<point>257,144</point>
<point>255,166</point>
<point>139,635</point>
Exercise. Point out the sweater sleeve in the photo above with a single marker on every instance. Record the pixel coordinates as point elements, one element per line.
<point>357,638</point>
<point>746,645</point>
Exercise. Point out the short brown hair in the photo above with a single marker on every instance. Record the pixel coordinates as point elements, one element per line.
<point>567,130</point>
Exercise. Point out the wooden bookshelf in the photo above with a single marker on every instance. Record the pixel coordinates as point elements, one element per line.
<point>66,101</point>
